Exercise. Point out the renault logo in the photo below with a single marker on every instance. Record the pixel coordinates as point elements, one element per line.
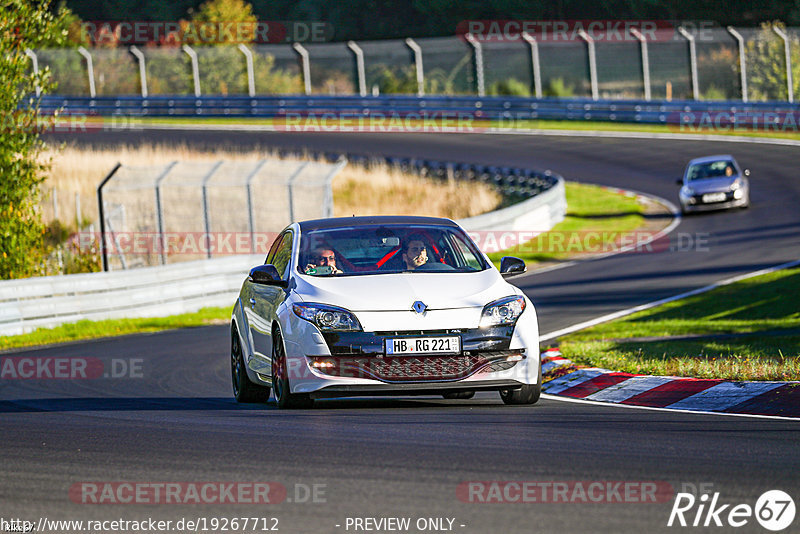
<point>419,306</point>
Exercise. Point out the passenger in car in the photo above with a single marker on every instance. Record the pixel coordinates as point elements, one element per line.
<point>323,257</point>
<point>415,253</point>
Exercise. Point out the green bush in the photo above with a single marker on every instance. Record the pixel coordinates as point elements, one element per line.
<point>23,25</point>
<point>558,88</point>
<point>509,87</point>
<point>766,65</point>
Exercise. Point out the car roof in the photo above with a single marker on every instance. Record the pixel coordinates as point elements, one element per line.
<point>348,222</point>
<point>708,159</point>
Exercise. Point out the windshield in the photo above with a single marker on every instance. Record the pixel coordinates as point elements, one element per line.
<point>711,169</point>
<point>387,249</point>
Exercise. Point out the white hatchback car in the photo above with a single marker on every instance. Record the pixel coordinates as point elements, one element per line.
<point>382,306</point>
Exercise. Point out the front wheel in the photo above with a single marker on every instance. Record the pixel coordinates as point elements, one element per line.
<point>280,379</point>
<point>527,394</point>
<point>243,389</point>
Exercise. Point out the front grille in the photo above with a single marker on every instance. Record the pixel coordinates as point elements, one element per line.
<point>414,368</point>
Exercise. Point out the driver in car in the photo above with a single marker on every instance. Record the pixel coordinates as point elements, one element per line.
<point>415,254</point>
<point>323,257</point>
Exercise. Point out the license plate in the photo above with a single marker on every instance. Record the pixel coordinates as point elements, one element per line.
<point>713,197</point>
<point>423,345</point>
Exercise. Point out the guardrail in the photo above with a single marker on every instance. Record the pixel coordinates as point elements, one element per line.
<point>184,287</point>
<point>455,111</point>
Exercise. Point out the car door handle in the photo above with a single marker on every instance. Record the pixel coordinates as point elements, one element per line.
<point>252,301</point>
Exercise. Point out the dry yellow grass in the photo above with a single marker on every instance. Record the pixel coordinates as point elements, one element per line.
<point>379,190</point>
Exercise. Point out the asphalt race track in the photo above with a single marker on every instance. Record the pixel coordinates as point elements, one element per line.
<point>173,418</point>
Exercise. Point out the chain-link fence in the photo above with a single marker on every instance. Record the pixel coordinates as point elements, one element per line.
<point>705,65</point>
<point>153,215</point>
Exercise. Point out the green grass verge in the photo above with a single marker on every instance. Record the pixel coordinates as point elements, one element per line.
<point>600,126</point>
<point>82,330</point>
<point>592,211</point>
<point>764,307</point>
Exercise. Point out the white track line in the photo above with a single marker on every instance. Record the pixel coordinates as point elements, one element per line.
<point>692,412</point>
<point>647,306</point>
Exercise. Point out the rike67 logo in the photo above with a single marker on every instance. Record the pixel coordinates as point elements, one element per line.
<point>774,510</point>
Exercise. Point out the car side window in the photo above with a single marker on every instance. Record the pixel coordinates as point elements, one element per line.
<point>283,255</point>
<point>272,249</point>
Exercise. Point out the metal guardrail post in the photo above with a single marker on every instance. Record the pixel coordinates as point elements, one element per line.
<point>360,74</point>
<point>742,64</point>
<point>35,62</point>
<point>251,79</point>
<point>645,62</point>
<point>412,44</point>
<point>160,213</point>
<point>89,69</point>
<point>289,186</point>
<point>103,248</point>
<point>305,63</point>
<point>250,215</point>
<point>535,65</point>
<point>142,69</point>
<point>206,222</point>
<point>788,53</point>
<point>592,63</point>
<point>195,69</point>
<point>692,61</point>
<point>478,56</point>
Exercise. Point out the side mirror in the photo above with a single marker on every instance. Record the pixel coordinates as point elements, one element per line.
<point>747,172</point>
<point>511,266</point>
<point>268,275</point>
<point>679,181</point>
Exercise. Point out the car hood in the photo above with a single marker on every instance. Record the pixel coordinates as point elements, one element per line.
<point>711,185</point>
<point>397,292</point>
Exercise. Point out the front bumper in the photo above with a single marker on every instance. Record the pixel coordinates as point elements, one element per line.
<point>695,202</point>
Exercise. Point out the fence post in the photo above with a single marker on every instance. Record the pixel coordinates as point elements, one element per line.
<point>592,63</point>
<point>362,82</point>
<point>478,55</point>
<point>742,66</point>
<point>142,69</point>
<point>89,69</point>
<point>327,205</point>
<point>535,66</point>
<point>251,80</point>
<point>289,184</point>
<point>418,65</point>
<point>160,213</point>
<point>103,248</point>
<point>195,69</point>
<point>692,61</point>
<point>645,62</point>
<point>305,63</point>
<point>206,223</point>
<point>788,52</point>
<point>250,217</point>
<point>35,61</point>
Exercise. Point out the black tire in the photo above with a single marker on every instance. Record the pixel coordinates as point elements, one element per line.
<point>526,394</point>
<point>243,389</point>
<point>280,378</point>
<point>458,395</point>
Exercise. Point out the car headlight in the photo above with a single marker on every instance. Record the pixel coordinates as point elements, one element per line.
<point>328,318</point>
<point>502,312</point>
<point>688,190</point>
<point>737,184</point>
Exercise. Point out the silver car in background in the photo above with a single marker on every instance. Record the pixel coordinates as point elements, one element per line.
<point>712,183</point>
